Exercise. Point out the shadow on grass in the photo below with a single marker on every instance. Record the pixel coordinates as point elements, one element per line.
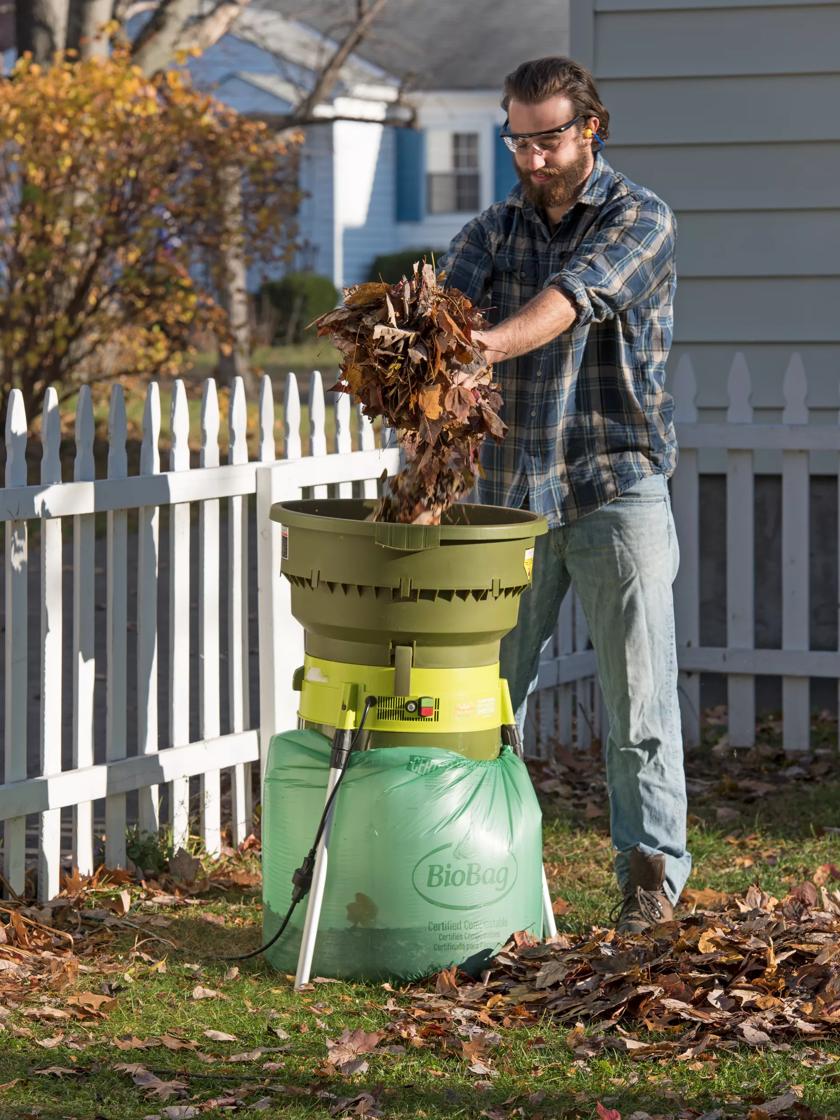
<point>98,1091</point>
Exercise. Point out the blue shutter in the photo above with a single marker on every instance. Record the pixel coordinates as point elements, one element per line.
<point>504,173</point>
<point>411,174</point>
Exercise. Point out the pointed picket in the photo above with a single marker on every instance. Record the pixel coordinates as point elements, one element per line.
<point>16,644</point>
<point>343,437</point>
<point>367,436</point>
<point>208,622</point>
<point>685,495</point>
<point>117,625</point>
<point>584,688</point>
<point>564,645</point>
<point>179,615</point>
<point>740,569</point>
<point>268,449</point>
<point>317,424</point>
<point>49,848</point>
<point>148,543</point>
<point>796,721</point>
<point>291,418</point>
<point>239,646</point>
<point>84,660</point>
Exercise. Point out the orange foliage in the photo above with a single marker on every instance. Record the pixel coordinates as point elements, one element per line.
<point>115,217</point>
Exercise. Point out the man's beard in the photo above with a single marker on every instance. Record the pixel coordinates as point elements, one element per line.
<point>561,189</point>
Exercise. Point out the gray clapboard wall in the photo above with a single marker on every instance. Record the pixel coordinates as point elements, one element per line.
<point>731,112</point>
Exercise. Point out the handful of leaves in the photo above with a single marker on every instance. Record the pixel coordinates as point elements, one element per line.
<point>408,356</point>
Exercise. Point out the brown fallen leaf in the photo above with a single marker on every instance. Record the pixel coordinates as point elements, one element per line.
<point>49,1043</point>
<point>183,867</point>
<point>152,1085</point>
<point>220,1036</point>
<point>132,1042</point>
<point>199,992</point>
<point>344,1053</point>
<point>171,1042</point>
<point>706,899</point>
<point>446,981</point>
<point>606,1113</point>
<point>54,1071</point>
<point>90,1004</point>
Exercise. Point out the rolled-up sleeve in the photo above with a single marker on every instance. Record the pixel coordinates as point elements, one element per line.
<point>621,262</point>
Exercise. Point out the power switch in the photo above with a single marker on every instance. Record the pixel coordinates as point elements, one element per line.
<point>427,707</point>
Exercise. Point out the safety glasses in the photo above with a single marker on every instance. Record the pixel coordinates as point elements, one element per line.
<point>546,141</point>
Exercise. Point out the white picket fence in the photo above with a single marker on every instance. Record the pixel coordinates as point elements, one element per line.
<point>166,759</point>
<point>55,807</point>
<point>572,711</point>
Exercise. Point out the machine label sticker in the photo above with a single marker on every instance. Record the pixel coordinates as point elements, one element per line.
<point>485,707</point>
<point>529,563</point>
<point>465,709</point>
<point>284,543</point>
<point>456,880</point>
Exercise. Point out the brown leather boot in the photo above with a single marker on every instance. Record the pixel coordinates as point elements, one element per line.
<point>645,903</point>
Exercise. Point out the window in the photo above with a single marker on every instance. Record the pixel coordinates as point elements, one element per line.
<point>453,179</point>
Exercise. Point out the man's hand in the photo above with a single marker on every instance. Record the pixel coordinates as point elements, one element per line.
<point>542,319</point>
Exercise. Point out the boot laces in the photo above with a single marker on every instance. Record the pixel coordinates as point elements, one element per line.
<point>645,902</point>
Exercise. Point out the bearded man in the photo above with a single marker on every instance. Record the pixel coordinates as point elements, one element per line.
<point>576,267</point>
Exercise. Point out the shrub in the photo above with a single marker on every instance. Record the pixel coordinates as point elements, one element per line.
<point>296,300</point>
<point>391,267</point>
<point>122,198</point>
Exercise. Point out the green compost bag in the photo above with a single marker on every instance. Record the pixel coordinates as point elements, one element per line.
<point>434,859</point>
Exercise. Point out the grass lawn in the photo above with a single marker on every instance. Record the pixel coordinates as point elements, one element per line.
<point>166,989</point>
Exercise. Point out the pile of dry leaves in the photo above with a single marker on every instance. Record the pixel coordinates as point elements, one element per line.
<point>409,357</point>
<point>751,969</point>
<point>45,946</point>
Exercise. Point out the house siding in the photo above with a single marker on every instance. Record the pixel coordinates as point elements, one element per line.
<point>315,216</point>
<point>364,191</point>
<point>730,113</point>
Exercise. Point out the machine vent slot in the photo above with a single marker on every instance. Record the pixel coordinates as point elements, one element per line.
<point>393,707</point>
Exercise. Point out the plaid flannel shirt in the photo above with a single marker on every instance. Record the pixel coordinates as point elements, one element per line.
<point>588,413</point>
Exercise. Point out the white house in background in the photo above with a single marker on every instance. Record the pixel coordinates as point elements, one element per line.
<point>372,187</point>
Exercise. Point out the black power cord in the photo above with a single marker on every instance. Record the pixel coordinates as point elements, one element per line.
<point>302,876</point>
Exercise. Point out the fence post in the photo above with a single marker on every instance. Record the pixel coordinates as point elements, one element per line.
<point>740,568</point>
<point>52,562</point>
<point>208,622</point>
<point>16,609</point>
<point>148,532</point>
<point>179,615</point>
<point>317,424</point>
<point>685,491</point>
<point>238,644</point>
<point>796,715</point>
<point>84,658</point>
<point>117,624</point>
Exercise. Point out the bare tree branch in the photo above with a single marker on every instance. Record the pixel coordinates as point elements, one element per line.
<point>207,30</point>
<point>124,10</point>
<point>327,78</point>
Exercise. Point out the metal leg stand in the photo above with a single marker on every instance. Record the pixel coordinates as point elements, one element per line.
<point>512,738</point>
<point>338,760</point>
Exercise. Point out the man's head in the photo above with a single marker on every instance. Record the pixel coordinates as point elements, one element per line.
<point>554,114</point>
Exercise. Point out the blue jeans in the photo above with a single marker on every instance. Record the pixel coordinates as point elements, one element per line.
<point>622,560</point>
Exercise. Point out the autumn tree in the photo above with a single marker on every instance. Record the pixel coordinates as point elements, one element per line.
<point>169,30</point>
<point>113,219</point>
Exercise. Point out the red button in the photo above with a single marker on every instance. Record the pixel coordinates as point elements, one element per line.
<point>427,711</point>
